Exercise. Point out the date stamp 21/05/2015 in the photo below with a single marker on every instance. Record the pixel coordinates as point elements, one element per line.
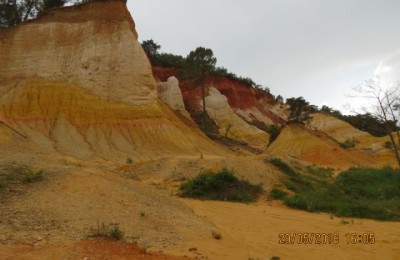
<point>326,238</point>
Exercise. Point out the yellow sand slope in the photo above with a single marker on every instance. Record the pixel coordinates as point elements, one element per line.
<point>318,148</point>
<point>73,121</point>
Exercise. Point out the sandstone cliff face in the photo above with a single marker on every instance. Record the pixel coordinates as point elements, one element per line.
<point>249,103</point>
<point>93,46</point>
<point>170,93</point>
<point>231,125</point>
<point>77,82</point>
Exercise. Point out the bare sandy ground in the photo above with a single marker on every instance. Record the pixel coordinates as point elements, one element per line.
<point>252,231</point>
<point>52,219</point>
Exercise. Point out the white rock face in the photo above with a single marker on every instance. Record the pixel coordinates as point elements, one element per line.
<point>253,113</point>
<point>230,124</point>
<point>170,93</point>
<point>102,56</point>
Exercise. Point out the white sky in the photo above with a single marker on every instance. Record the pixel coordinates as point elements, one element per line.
<point>317,49</point>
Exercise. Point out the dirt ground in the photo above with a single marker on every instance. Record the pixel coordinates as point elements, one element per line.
<point>53,219</point>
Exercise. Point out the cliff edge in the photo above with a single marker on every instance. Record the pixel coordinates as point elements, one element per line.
<point>77,81</point>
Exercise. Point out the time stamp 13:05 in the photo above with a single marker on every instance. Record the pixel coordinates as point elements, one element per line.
<point>326,238</point>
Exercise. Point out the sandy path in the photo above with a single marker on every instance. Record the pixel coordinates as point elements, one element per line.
<point>253,231</point>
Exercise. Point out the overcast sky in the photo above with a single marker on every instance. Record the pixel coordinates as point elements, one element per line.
<point>317,49</point>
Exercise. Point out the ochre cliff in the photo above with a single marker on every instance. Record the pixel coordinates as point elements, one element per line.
<point>296,141</point>
<point>253,105</point>
<point>77,81</point>
<point>93,45</point>
<point>228,122</point>
<point>249,103</point>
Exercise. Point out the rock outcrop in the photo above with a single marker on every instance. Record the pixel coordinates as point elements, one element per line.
<point>92,45</point>
<point>249,103</point>
<point>170,93</point>
<point>76,81</point>
<point>230,124</point>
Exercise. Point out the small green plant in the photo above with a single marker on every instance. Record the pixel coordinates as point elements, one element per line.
<point>277,194</point>
<point>388,145</point>
<point>30,177</point>
<point>14,175</point>
<point>116,233</point>
<point>222,185</point>
<point>273,131</point>
<point>142,213</point>
<point>349,143</point>
<point>111,230</point>
<point>129,160</point>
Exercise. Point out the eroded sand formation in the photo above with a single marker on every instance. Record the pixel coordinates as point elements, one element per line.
<point>78,85</point>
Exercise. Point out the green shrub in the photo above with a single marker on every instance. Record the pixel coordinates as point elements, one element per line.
<point>17,175</point>
<point>116,233</point>
<point>388,145</point>
<point>222,185</point>
<point>30,177</point>
<point>320,172</point>
<point>368,183</point>
<point>129,160</point>
<point>294,181</point>
<point>285,168</point>
<point>357,192</point>
<point>348,143</point>
<point>277,194</point>
<point>107,230</point>
<point>273,131</point>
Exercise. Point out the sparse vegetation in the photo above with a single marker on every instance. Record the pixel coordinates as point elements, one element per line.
<point>129,160</point>
<point>111,230</point>
<point>273,131</point>
<point>222,185</point>
<point>388,145</point>
<point>30,177</point>
<point>278,194</point>
<point>17,174</point>
<point>321,172</point>
<point>116,233</point>
<point>357,192</point>
<point>349,143</point>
